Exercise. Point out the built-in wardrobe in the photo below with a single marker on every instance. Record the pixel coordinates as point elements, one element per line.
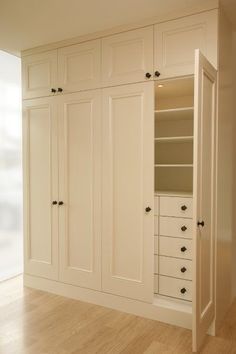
<point>120,170</point>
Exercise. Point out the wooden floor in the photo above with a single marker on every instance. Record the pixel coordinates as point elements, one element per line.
<point>34,322</point>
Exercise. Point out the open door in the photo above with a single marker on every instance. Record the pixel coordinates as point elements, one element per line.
<point>205,88</point>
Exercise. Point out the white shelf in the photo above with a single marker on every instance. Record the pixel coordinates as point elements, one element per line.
<point>173,139</point>
<point>173,193</point>
<point>175,113</point>
<point>173,165</point>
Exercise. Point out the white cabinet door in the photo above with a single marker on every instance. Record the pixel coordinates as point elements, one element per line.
<point>39,73</point>
<point>127,57</point>
<point>128,185</point>
<point>79,66</point>
<point>80,189</point>
<point>175,42</point>
<point>204,199</point>
<point>40,188</point>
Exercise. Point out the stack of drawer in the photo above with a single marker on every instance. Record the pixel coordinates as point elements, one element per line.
<point>173,247</point>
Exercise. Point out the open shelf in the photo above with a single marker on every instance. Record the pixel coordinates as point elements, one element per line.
<point>182,113</point>
<point>173,165</point>
<point>173,193</point>
<point>174,139</point>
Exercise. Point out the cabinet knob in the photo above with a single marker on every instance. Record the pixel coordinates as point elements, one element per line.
<point>183,269</point>
<point>183,291</point>
<point>157,73</point>
<point>148,209</point>
<point>184,228</point>
<point>183,249</point>
<point>54,202</point>
<point>60,89</point>
<point>148,75</point>
<point>200,223</point>
<point>61,202</point>
<point>183,207</point>
<point>53,90</point>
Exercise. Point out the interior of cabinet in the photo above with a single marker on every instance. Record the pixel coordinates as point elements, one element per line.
<point>174,101</point>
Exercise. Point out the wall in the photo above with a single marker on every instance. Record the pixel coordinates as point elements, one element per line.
<point>234,171</point>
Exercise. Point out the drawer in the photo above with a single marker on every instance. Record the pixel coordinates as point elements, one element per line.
<point>175,247</point>
<point>178,288</point>
<point>175,267</point>
<point>175,227</point>
<point>156,264</point>
<point>155,284</point>
<point>156,223</point>
<point>156,248</point>
<point>176,206</point>
<point>156,205</point>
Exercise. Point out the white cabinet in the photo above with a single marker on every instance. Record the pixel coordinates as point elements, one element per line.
<point>127,57</point>
<point>175,42</point>
<point>127,190</point>
<point>79,66</point>
<point>40,188</point>
<point>39,74</point>
<point>80,189</point>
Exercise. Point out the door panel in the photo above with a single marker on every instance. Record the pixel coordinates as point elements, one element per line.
<point>80,189</point>
<point>79,66</point>
<point>127,57</point>
<point>127,190</point>
<point>204,202</point>
<point>39,74</point>
<point>40,188</point>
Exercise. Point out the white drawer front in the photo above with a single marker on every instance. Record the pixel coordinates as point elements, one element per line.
<point>156,205</point>
<point>156,224</point>
<point>181,289</point>
<point>156,264</point>
<point>156,245</point>
<point>175,227</point>
<point>155,284</point>
<point>175,267</point>
<point>175,247</point>
<point>176,206</point>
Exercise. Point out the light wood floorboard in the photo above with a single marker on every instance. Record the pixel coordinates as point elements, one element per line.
<point>35,322</point>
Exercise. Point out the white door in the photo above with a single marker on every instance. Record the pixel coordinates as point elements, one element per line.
<point>40,187</point>
<point>204,202</point>
<point>79,66</point>
<point>175,42</point>
<point>128,185</point>
<point>80,189</point>
<point>127,57</point>
<point>39,73</point>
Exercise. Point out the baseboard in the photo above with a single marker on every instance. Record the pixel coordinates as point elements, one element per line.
<point>152,311</point>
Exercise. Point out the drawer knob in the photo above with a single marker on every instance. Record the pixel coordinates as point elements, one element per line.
<point>60,89</point>
<point>200,223</point>
<point>183,249</point>
<point>183,269</point>
<point>184,228</point>
<point>61,202</point>
<point>157,73</point>
<point>183,207</point>
<point>148,75</point>
<point>148,209</point>
<point>54,202</point>
<point>183,291</point>
<point>53,90</point>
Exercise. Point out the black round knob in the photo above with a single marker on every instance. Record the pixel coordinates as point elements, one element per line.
<point>148,209</point>
<point>53,90</point>
<point>148,75</point>
<point>200,223</point>
<point>183,291</point>
<point>183,207</point>
<point>54,202</point>
<point>157,73</point>
<point>183,249</point>
<point>183,269</point>
<point>60,89</point>
<point>184,228</point>
<point>61,202</point>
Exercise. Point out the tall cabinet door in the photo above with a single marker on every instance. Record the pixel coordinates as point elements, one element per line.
<point>127,231</point>
<point>80,189</point>
<point>40,187</point>
<point>204,198</point>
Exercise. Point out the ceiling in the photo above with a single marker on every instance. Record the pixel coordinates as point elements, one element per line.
<point>30,23</point>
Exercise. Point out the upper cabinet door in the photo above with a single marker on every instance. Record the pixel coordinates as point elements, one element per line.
<point>40,188</point>
<point>127,57</point>
<point>204,198</point>
<point>79,66</point>
<point>128,184</point>
<point>175,42</point>
<point>80,189</point>
<point>39,74</point>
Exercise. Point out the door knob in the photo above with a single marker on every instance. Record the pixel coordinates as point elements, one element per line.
<point>148,209</point>
<point>61,202</point>
<point>200,223</point>
<point>183,207</point>
<point>183,291</point>
<point>157,73</point>
<point>53,90</point>
<point>148,75</point>
<point>183,249</point>
<point>184,228</point>
<point>54,202</point>
<point>183,269</point>
<point>60,89</point>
